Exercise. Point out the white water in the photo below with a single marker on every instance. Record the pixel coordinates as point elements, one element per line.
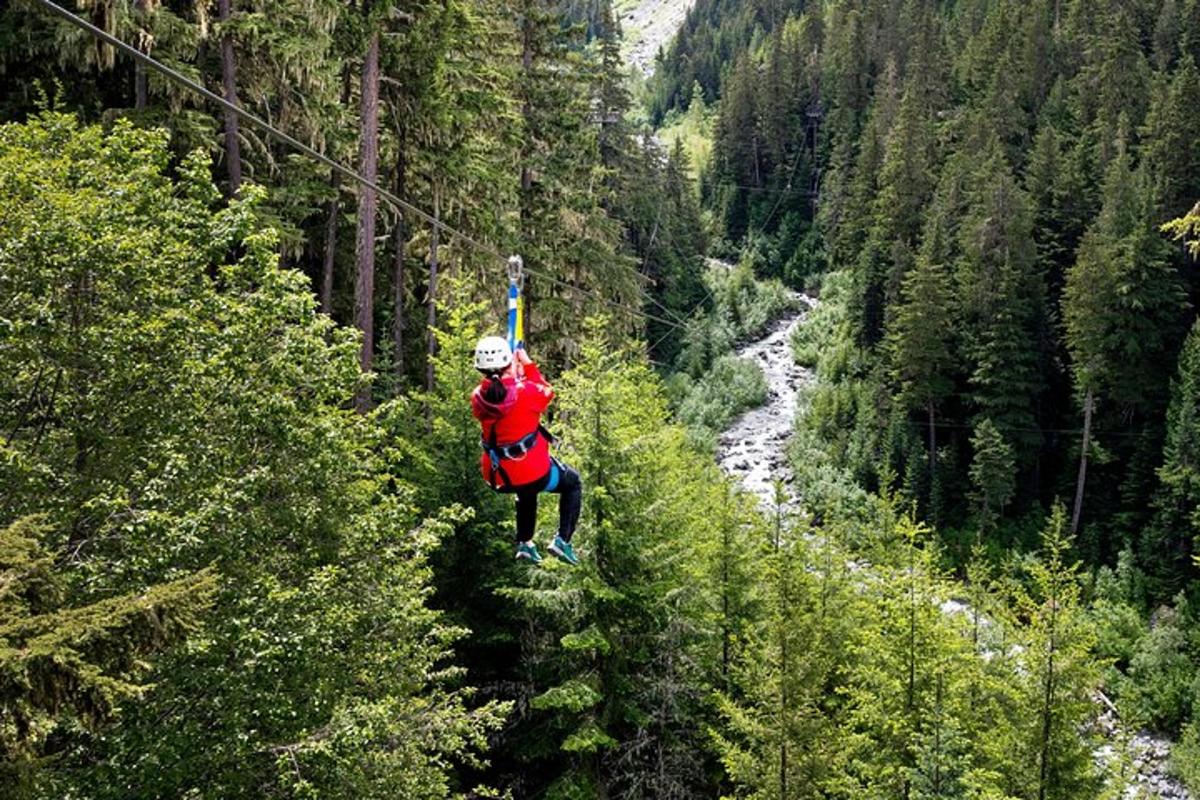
<point>754,447</point>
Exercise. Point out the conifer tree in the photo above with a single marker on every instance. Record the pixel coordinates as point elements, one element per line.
<point>1058,180</point>
<point>1059,674</point>
<point>1167,27</point>
<point>906,180</point>
<point>866,245</point>
<point>614,642</point>
<point>1172,536</point>
<point>921,333</point>
<point>892,685</point>
<point>738,158</point>
<point>1001,297</point>
<point>66,665</point>
<point>1115,64</point>
<point>1121,302</point>
<point>1172,140</point>
<point>779,737</point>
<point>992,474</point>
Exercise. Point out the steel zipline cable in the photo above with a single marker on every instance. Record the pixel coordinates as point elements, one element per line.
<point>396,202</point>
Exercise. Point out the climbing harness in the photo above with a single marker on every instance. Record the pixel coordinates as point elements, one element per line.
<point>516,303</point>
<point>499,453</point>
<point>514,450</point>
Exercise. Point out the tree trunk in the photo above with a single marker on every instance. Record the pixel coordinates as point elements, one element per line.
<point>331,223</point>
<point>141,89</point>
<point>331,220</point>
<point>1088,406</point>
<point>932,447</point>
<point>233,152</point>
<point>431,296</point>
<point>1048,699</point>
<point>364,250</point>
<point>399,240</point>
<point>527,108</point>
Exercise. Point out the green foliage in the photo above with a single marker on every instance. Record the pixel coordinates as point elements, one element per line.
<point>872,681</point>
<point>989,179</point>
<point>743,308</point>
<point>1060,671</point>
<point>1185,756</point>
<point>67,666</point>
<point>621,653</point>
<point>731,386</point>
<point>1161,676</point>
<point>173,400</point>
<point>921,334</point>
<point>1186,229</point>
<point>778,735</point>
<point>1169,539</point>
<point>691,131</point>
<point>1118,619</point>
<point>241,588</point>
<point>992,474</point>
<point>1123,296</point>
<point>572,696</point>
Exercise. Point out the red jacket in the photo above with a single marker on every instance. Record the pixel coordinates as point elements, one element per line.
<point>518,416</point>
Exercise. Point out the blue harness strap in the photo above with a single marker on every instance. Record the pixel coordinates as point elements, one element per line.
<point>555,474</point>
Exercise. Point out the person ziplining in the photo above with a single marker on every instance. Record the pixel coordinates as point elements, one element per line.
<point>509,402</point>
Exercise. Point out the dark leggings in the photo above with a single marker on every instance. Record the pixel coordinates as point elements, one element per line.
<point>570,497</point>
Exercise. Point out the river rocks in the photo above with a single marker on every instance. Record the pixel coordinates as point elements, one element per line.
<point>1146,758</point>
<point>754,448</point>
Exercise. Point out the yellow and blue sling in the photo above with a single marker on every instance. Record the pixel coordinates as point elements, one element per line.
<point>516,304</point>
<point>516,341</point>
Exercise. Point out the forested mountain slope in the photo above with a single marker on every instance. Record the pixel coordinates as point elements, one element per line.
<point>984,187</point>
<point>712,35</point>
<point>991,178</point>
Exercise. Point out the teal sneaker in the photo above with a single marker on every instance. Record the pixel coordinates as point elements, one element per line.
<point>528,551</point>
<point>563,551</point>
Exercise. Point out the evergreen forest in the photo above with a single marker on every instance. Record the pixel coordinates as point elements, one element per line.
<point>247,248</point>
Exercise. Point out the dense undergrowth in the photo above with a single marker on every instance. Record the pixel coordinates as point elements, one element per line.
<point>709,386</point>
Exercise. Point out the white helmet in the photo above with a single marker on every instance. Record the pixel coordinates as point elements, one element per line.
<point>492,354</point>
